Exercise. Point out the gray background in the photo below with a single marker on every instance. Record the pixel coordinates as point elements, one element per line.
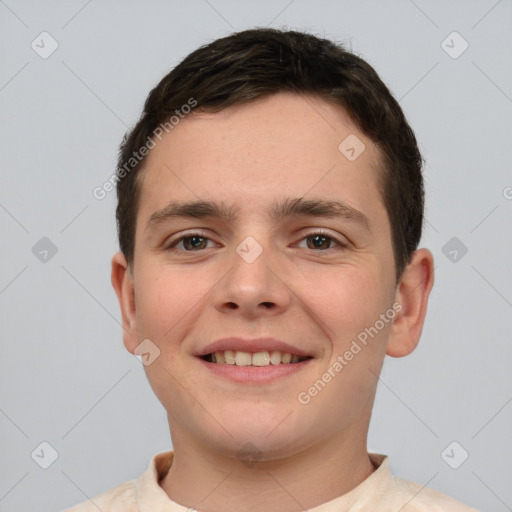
<point>65,376</point>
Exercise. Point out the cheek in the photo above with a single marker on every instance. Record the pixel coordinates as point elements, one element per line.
<point>160,301</point>
<point>350,309</point>
<point>353,298</point>
<point>167,299</point>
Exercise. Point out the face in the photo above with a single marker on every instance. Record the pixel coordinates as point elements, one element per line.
<point>311,280</point>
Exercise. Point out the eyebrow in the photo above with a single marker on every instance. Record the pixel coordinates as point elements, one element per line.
<point>290,207</point>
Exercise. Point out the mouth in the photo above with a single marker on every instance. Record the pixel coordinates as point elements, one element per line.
<point>258,359</point>
<point>253,361</point>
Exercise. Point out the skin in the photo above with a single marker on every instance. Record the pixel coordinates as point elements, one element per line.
<point>317,299</point>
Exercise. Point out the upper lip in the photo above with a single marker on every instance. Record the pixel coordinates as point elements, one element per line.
<point>251,345</point>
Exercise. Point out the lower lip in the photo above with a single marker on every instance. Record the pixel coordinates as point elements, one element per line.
<point>255,374</point>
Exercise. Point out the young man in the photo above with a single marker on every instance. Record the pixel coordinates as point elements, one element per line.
<point>270,210</point>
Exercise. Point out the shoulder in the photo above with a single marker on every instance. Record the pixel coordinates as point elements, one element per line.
<point>394,493</point>
<point>418,498</point>
<point>142,492</point>
<point>118,499</point>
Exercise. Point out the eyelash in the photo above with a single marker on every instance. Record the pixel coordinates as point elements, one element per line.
<point>172,245</point>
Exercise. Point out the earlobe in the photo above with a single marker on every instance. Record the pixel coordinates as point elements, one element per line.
<point>122,281</point>
<point>412,294</point>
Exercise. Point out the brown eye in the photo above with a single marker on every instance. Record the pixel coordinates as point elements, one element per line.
<point>190,243</point>
<point>319,242</point>
<point>323,242</point>
<point>193,242</point>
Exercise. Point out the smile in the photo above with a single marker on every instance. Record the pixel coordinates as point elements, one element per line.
<point>261,358</point>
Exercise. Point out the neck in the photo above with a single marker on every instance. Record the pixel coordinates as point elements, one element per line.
<point>209,481</point>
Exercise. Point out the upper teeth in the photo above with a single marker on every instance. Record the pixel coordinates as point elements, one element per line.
<point>264,358</point>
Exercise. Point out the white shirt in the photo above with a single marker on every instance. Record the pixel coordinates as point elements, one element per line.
<point>380,492</point>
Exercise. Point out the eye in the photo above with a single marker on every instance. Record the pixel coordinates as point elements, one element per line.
<point>191,242</point>
<point>319,241</point>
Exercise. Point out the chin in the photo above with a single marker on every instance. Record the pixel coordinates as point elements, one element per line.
<point>270,434</point>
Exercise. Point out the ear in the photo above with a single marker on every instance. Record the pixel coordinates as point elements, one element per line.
<point>122,281</point>
<point>412,294</point>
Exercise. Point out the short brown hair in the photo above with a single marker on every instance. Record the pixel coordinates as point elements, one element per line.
<point>259,62</point>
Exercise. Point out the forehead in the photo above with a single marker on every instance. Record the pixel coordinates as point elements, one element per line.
<point>286,145</point>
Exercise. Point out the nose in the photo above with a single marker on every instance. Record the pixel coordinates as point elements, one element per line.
<point>255,284</point>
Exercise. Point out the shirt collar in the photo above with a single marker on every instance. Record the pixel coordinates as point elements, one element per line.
<point>152,498</point>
